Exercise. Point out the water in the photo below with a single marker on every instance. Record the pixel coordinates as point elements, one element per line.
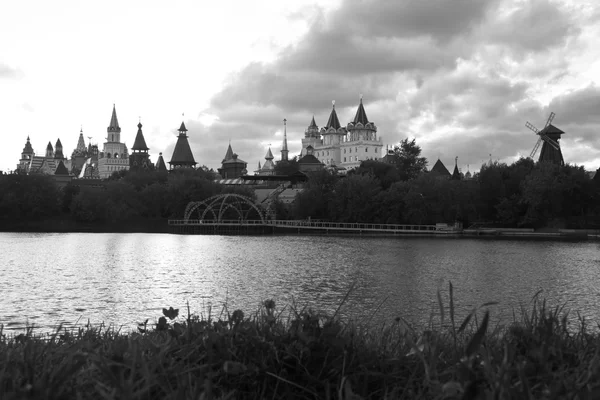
<point>122,279</point>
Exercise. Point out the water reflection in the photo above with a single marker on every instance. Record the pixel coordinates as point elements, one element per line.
<point>123,279</point>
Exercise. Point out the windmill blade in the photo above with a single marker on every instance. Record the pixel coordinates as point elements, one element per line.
<point>551,142</point>
<point>535,148</point>
<point>533,128</point>
<point>550,118</point>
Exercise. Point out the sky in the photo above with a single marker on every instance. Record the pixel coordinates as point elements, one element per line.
<point>462,77</point>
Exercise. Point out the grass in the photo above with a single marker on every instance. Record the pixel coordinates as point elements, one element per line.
<point>299,354</point>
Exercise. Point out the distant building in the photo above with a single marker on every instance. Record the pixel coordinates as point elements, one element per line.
<point>309,162</point>
<point>344,147</point>
<point>32,164</point>
<point>268,167</point>
<point>182,154</point>
<point>160,163</point>
<point>114,155</point>
<point>81,154</point>
<point>232,167</point>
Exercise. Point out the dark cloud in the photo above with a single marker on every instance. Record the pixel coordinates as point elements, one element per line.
<point>460,76</point>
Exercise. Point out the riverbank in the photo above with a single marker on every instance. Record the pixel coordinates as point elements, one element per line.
<point>300,354</point>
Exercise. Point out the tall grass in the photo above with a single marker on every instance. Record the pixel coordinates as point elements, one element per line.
<point>301,354</point>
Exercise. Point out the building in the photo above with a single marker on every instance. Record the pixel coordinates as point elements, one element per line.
<point>343,147</point>
<point>160,163</point>
<point>268,167</point>
<point>114,155</point>
<point>309,163</point>
<point>440,170</point>
<point>81,154</point>
<point>139,157</point>
<point>182,154</point>
<point>47,164</point>
<point>232,167</point>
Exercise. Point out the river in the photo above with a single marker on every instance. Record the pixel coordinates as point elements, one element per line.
<point>122,279</point>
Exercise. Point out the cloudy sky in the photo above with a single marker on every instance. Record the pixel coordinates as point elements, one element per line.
<point>460,76</point>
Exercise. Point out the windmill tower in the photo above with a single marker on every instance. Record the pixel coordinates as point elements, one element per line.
<point>550,136</point>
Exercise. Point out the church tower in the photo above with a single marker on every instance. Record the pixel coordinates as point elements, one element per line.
<point>139,157</point>
<point>182,154</point>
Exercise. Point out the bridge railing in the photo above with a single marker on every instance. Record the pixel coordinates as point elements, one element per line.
<point>310,225</point>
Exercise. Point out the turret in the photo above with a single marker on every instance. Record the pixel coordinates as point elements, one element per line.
<point>182,154</point>
<point>139,157</point>
<point>360,128</point>
<point>333,132</point>
<point>114,130</point>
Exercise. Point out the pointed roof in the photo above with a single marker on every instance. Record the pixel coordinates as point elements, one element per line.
<point>49,147</point>
<point>114,123</point>
<point>333,121</point>
<point>455,173</point>
<point>182,154</point>
<point>28,149</point>
<point>551,129</point>
<point>313,124</point>
<point>81,141</point>
<point>229,153</point>
<point>440,168</point>
<point>160,163</point>
<point>269,155</point>
<point>61,169</point>
<point>59,152</point>
<point>139,142</point>
<point>58,144</point>
<point>361,115</point>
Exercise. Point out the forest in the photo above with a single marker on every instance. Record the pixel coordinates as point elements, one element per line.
<point>399,191</point>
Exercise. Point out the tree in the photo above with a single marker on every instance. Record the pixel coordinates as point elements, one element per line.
<point>288,167</point>
<point>385,173</point>
<point>408,159</point>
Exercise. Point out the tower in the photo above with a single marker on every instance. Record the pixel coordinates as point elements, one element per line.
<point>114,130</point>
<point>362,142</point>
<point>182,154</point>
<point>549,136</point>
<point>268,167</point>
<point>26,156</point>
<point>232,167</point>
<point>139,157</point>
<point>284,146</point>
<point>456,173</point>
<point>114,156</point>
<point>312,137</point>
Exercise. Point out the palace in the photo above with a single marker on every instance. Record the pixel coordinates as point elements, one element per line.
<point>343,147</point>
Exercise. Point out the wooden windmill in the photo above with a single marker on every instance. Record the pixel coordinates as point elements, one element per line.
<point>548,139</point>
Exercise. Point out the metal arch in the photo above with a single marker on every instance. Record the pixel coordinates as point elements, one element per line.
<point>224,202</point>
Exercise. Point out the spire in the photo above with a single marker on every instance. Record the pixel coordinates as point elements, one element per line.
<point>229,154</point>
<point>28,149</point>
<point>80,141</point>
<point>182,128</point>
<point>333,121</point>
<point>313,124</point>
<point>140,143</point>
<point>284,147</point>
<point>361,115</point>
<point>456,174</point>
<point>114,123</point>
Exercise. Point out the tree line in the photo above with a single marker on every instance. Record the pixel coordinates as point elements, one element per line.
<point>398,191</point>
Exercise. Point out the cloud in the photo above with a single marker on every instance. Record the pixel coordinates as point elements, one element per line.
<point>461,76</point>
<point>8,72</point>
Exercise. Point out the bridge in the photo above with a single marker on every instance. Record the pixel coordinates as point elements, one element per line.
<point>237,214</point>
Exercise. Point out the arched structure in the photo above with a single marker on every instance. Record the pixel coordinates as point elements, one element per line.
<point>225,206</point>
